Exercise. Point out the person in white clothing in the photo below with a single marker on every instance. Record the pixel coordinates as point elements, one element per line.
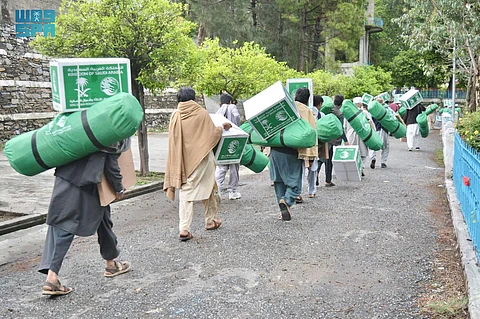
<point>230,111</point>
<point>386,144</point>
<point>352,136</point>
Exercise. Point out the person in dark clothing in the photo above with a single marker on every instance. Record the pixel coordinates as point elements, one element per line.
<point>413,132</point>
<point>337,103</point>
<point>75,210</point>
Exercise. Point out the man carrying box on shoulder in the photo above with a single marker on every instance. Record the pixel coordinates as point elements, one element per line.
<point>190,162</point>
<point>287,164</point>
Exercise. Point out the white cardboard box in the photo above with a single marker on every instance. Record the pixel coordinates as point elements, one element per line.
<point>294,84</point>
<point>229,149</point>
<point>347,162</point>
<point>79,83</point>
<point>271,110</point>
<point>411,99</point>
<point>367,98</point>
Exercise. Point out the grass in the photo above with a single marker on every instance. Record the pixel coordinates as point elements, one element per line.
<point>439,157</point>
<point>151,178</point>
<point>455,307</point>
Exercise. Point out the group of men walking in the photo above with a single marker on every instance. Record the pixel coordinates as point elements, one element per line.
<point>75,207</point>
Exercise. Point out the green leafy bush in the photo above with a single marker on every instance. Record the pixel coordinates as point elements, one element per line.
<point>469,129</point>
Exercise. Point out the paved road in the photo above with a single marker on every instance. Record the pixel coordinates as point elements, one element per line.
<point>357,250</point>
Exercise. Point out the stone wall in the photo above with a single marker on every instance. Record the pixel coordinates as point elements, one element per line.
<point>25,90</point>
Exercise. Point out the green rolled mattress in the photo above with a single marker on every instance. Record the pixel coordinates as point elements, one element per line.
<point>431,108</point>
<point>387,118</point>
<point>247,128</point>
<point>361,125</point>
<point>253,159</point>
<point>327,105</point>
<point>70,136</point>
<point>422,121</point>
<point>402,110</point>
<point>299,134</point>
<point>329,128</point>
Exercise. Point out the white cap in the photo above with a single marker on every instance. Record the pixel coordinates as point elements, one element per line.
<point>357,100</point>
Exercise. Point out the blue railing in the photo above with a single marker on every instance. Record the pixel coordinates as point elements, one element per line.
<point>442,94</point>
<point>466,178</point>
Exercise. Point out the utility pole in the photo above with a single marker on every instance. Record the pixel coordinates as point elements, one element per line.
<point>454,80</point>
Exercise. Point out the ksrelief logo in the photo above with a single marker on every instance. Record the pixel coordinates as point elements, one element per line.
<point>110,86</point>
<point>281,116</point>
<point>233,146</point>
<point>344,154</point>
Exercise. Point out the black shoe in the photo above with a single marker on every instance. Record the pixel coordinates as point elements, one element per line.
<point>317,183</point>
<point>285,210</point>
<point>384,165</point>
<point>329,184</point>
<point>363,174</point>
<point>417,148</point>
<point>372,164</point>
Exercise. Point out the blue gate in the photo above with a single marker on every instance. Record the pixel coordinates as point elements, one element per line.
<point>466,178</point>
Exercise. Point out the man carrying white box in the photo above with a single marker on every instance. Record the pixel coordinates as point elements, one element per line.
<point>229,111</point>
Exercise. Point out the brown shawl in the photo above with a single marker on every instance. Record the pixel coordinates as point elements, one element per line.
<point>307,114</point>
<point>191,136</point>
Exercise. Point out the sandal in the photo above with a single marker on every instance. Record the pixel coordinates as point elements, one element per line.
<point>186,237</point>
<point>299,199</point>
<point>50,289</point>
<point>216,224</point>
<point>284,210</point>
<point>311,195</point>
<point>120,268</point>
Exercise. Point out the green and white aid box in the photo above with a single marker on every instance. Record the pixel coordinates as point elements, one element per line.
<point>294,84</point>
<point>347,163</point>
<point>79,83</point>
<point>271,110</point>
<point>385,96</point>
<point>367,98</point>
<point>232,144</point>
<point>410,99</point>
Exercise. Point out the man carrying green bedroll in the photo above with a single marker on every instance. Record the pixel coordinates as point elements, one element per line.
<point>75,210</point>
<point>386,144</point>
<point>286,168</point>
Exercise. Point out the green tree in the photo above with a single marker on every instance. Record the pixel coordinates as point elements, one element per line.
<point>326,83</point>
<point>434,25</point>
<point>410,68</point>
<point>369,79</point>
<point>152,33</point>
<point>242,71</point>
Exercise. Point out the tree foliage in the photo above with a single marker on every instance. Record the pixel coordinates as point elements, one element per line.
<point>369,79</point>
<point>297,32</point>
<point>434,25</point>
<point>152,33</point>
<point>241,71</point>
<point>410,68</point>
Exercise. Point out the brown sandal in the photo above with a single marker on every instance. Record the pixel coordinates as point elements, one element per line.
<point>186,237</point>
<point>216,224</point>
<point>120,268</point>
<point>50,289</point>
